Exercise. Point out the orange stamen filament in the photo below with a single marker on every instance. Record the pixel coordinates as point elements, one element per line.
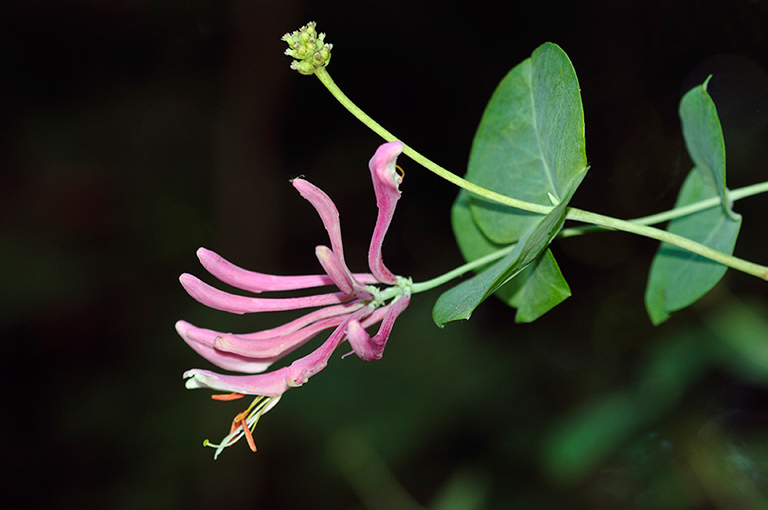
<point>251,417</point>
<point>248,435</point>
<point>240,418</point>
<point>227,396</point>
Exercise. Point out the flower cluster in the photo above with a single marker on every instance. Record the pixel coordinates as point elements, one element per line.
<point>308,48</point>
<point>358,304</point>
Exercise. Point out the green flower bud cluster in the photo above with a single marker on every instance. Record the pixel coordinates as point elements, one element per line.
<point>308,48</point>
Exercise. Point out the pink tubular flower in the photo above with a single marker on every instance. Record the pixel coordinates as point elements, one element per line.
<point>358,304</point>
<point>387,177</point>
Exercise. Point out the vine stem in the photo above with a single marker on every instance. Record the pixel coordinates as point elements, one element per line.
<point>708,203</point>
<point>639,227</point>
<point>449,176</point>
<point>667,237</point>
<point>732,196</point>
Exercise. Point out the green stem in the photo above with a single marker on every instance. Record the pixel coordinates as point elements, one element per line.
<point>733,195</point>
<point>573,213</point>
<point>363,117</point>
<point>461,270</point>
<point>669,238</point>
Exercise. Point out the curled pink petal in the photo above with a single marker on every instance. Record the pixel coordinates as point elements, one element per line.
<point>386,185</point>
<point>303,368</point>
<point>368,348</point>
<point>271,384</point>
<point>327,211</point>
<point>334,269</point>
<point>278,381</point>
<point>232,362</point>
<point>337,270</point>
<point>276,346</point>
<point>304,320</point>
<point>224,360</point>
<point>372,319</point>
<point>207,337</point>
<point>220,300</point>
<point>252,281</point>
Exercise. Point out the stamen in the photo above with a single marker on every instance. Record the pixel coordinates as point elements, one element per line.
<point>248,435</point>
<point>400,171</point>
<point>235,423</point>
<point>241,417</point>
<point>227,396</point>
<point>245,420</point>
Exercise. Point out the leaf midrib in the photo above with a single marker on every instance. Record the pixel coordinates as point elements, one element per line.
<point>548,171</point>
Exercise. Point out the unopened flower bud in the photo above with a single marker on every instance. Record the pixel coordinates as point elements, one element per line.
<point>308,48</point>
<point>303,67</point>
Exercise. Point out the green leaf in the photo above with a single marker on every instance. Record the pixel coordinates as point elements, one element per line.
<point>473,244</point>
<point>529,144</point>
<point>543,287</point>
<point>536,290</point>
<point>679,278</point>
<point>459,302</point>
<point>704,139</point>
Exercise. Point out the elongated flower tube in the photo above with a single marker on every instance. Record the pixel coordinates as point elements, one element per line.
<point>368,348</point>
<point>361,300</point>
<point>386,185</point>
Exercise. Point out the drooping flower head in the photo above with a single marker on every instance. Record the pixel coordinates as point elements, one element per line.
<point>360,302</point>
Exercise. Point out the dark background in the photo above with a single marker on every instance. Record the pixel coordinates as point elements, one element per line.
<point>133,132</point>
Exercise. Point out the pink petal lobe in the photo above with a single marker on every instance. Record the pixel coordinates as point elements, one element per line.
<point>208,336</point>
<point>224,360</point>
<point>386,185</point>
<point>220,300</point>
<point>304,320</point>
<point>252,281</point>
<point>372,348</point>
<point>277,346</point>
<point>271,384</point>
<point>339,273</point>
<point>327,210</point>
<point>334,269</point>
<point>303,368</point>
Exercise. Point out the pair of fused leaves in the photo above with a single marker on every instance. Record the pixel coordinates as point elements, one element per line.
<point>530,146</point>
<point>679,278</point>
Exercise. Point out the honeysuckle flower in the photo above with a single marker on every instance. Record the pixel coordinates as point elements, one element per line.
<point>362,300</point>
<point>387,177</point>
